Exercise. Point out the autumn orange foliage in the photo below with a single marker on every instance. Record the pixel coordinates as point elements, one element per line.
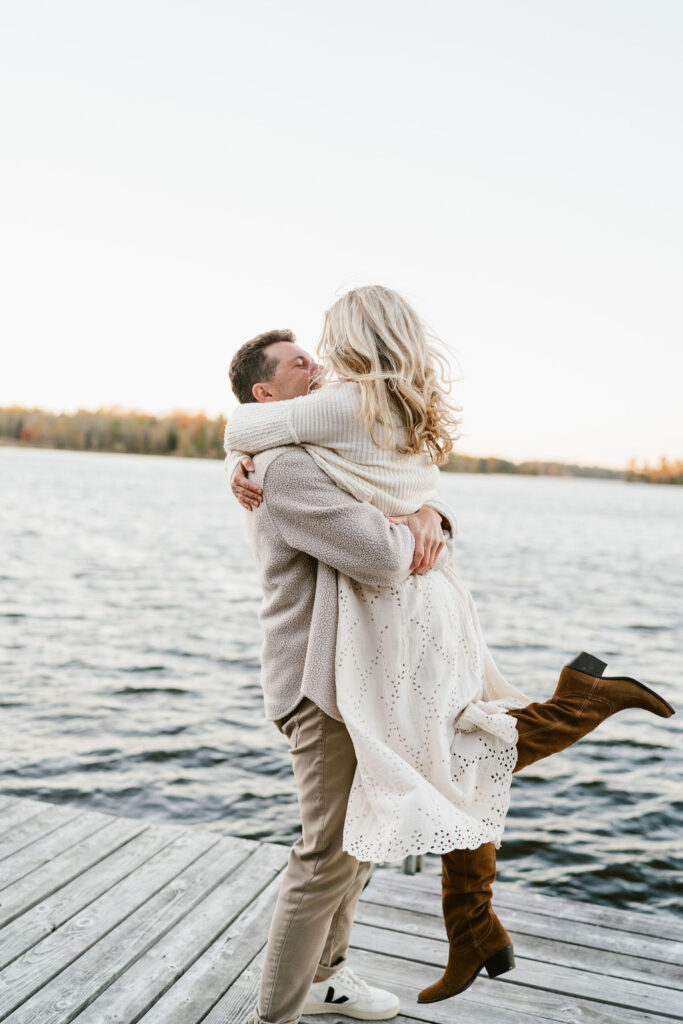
<point>114,429</point>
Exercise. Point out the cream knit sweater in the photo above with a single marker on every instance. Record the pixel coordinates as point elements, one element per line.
<point>327,425</point>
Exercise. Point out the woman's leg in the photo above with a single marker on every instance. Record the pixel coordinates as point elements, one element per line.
<point>582,700</point>
<point>476,938</point>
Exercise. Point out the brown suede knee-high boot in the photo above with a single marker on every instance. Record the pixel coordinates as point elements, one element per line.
<point>581,701</point>
<point>476,937</point>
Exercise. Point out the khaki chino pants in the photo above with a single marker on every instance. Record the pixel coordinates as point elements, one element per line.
<point>311,926</point>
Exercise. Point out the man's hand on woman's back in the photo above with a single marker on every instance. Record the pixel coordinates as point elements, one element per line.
<point>425,524</point>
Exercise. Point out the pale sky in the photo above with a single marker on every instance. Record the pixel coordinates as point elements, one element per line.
<point>179,176</point>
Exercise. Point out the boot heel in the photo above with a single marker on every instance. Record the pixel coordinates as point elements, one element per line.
<point>500,962</point>
<point>588,663</point>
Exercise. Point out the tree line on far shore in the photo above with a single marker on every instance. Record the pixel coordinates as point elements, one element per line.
<point>195,435</point>
<point>116,430</point>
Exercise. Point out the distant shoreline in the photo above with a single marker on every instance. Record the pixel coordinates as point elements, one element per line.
<point>197,436</point>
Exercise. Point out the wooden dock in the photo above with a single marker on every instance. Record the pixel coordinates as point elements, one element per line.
<point>108,920</point>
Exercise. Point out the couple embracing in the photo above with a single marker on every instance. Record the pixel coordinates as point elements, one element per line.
<point>403,733</point>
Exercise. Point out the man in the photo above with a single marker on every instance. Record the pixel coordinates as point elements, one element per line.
<point>304,529</point>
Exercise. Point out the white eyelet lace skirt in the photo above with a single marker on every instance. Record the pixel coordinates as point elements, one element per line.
<point>425,706</point>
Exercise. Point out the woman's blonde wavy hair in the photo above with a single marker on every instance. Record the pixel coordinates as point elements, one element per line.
<point>373,336</point>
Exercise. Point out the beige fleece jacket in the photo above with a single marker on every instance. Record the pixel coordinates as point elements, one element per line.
<point>304,532</point>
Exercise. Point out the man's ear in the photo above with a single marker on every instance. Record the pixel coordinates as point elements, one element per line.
<point>262,393</point>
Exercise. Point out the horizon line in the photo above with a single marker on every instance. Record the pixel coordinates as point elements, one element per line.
<point>115,409</point>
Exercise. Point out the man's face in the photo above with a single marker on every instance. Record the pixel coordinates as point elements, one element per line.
<point>293,376</point>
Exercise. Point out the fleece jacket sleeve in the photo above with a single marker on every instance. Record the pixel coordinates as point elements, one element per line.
<point>313,515</point>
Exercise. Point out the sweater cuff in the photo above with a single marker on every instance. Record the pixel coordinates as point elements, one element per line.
<point>446,514</point>
<point>253,428</point>
<point>231,461</point>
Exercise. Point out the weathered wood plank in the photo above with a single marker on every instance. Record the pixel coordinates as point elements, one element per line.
<point>487,999</point>
<point>64,836</point>
<point>240,1000</point>
<point>16,812</point>
<point>548,946</point>
<point>65,866</point>
<point>202,937</point>
<point>622,992</point>
<point>660,951</point>
<point>405,897</point>
<point>30,972</point>
<point>84,979</point>
<point>641,922</point>
<point>35,827</point>
<point>219,967</point>
<point>27,802</point>
<point>63,890</point>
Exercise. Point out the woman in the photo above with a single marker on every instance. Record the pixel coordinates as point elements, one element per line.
<point>433,723</point>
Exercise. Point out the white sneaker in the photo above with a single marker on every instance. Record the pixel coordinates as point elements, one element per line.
<point>347,994</point>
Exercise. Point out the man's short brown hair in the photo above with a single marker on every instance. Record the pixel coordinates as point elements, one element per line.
<point>251,363</point>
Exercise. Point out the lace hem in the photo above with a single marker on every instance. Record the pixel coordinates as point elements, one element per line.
<point>443,835</point>
<point>407,849</point>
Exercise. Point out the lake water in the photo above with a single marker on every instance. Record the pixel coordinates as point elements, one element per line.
<point>129,657</point>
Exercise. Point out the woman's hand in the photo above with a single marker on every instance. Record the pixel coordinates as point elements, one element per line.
<point>245,490</point>
<point>425,526</point>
